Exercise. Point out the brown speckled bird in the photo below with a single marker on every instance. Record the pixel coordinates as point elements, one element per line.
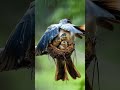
<point>65,64</point>
<point>58,41</point>
<point>63,45</point>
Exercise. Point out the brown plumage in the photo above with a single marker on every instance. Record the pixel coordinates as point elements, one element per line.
<point>60,50</point>
<point>71,68</point>
<point>64,65</point>
<point>63,62</point>
<point>57,41</point>
<point>63,45</point>
<point>61,71</point>
<point>67,35</point>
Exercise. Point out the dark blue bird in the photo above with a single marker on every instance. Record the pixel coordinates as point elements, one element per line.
<point>53,31</point>
<point>58,35</point>
<point>20,42</point>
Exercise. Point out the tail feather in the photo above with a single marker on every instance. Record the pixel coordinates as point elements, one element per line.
<point>7,62</point>
<point>72,69</point>
<point>61,70</point>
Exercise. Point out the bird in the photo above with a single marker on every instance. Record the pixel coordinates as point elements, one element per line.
<point>56,42</point>
<point>64,30</point>
<point>66,35</point>
<point>59,41</point>
<point>20,45</point>
<point>63,45</point>
<point>53,31</point>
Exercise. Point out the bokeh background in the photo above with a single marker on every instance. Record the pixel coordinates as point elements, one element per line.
<point>49,12</point>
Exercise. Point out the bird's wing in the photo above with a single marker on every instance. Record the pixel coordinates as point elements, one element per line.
<point>51,32</point>
<point>105,12</point>
<point>96,11</point>
<point>113,6</point>
<point>19,40</point>
<point>71,28</point>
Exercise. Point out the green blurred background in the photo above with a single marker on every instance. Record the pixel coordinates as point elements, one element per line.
<point>47,13</point>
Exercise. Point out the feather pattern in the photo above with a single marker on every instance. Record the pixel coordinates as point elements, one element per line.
<point>19,41</point>
<point>52,32</point>
<point>92,9</point>
<point>112,6</point>
<point>109,12</point>
<point>49,35</point>
<point>71,28</point>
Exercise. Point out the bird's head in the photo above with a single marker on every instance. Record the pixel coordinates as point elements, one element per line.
<point>64,43</point>
<point>58,39</point>
<point>64,21</point>
<point>63,36</point>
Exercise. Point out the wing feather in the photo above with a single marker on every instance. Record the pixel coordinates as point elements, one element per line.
<point>51,32</point>
<point>19,41</point>
<point>71,28</point>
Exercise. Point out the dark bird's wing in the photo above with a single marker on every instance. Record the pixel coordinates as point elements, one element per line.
<point>19,41</point>
<point>96,11</point>
<point>104,12</point>
<point>112,6</point>
<point>49,35</point>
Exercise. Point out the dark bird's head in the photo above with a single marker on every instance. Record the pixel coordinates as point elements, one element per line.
<point>64,21</point>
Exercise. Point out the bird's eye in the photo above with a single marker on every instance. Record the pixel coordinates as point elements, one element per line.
<point>63,34</point>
